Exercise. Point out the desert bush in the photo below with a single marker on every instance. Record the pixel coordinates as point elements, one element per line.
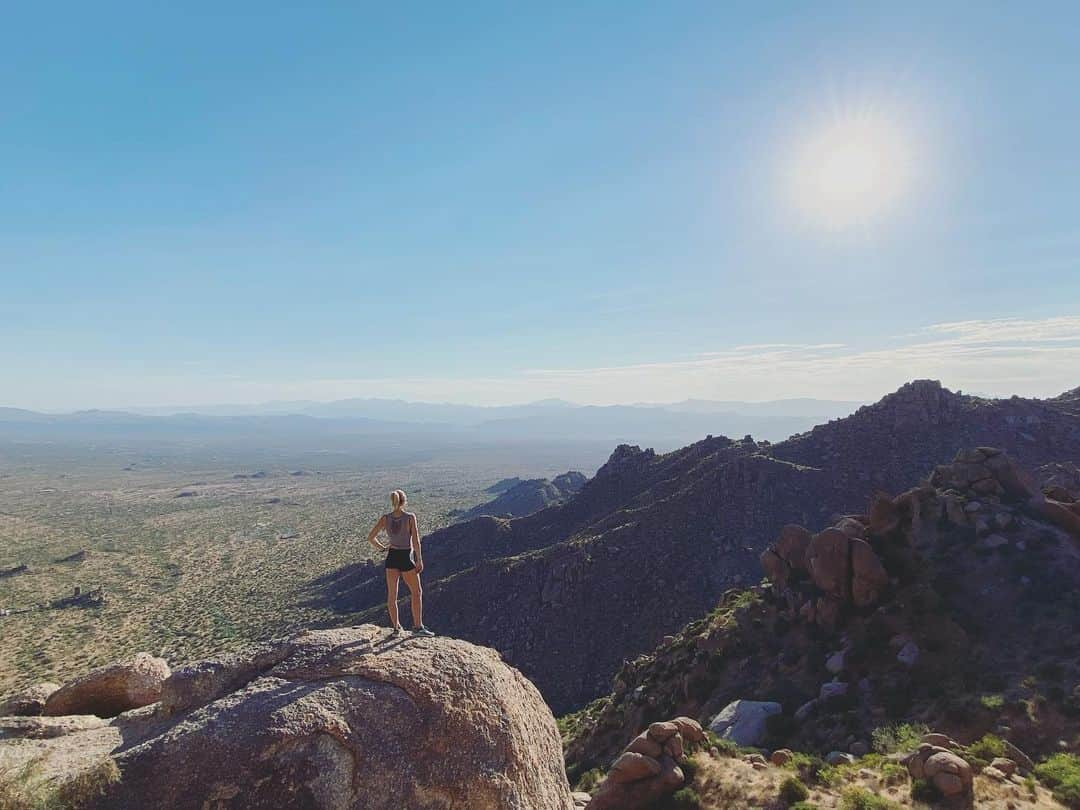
<point>893,774</point>
<point>902,737</point>
<point>682,799</point>
<point>986,748</point>
<point>793,791</point>
<point>588,781</point>
<point>1061,773</point>
<point>856,798</point>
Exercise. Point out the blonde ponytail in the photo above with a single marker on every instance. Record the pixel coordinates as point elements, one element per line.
<point>398,499</point>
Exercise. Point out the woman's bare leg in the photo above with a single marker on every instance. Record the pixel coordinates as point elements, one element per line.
<point>392,576</point>
<point>416,597</point>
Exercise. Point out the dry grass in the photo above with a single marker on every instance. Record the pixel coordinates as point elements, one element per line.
<point>733,784</point>
<point>191,576</point>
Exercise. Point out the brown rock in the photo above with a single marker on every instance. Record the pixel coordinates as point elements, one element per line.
<point>792,544</point>
<point>690,729</point>
<point>28,703</point>
<point>852,528</point>
<point>1006,766</point>
<point>884,516</point>
<point>631,766</point>
<point>949,773</point>
<point>827,561</point>
<point>643,744</point>
<point>111,689</point>
<point>662,731</point>
<point>781,756</point>
<point>868,574</point>
<point>776,570</point>
<point>674,747</point>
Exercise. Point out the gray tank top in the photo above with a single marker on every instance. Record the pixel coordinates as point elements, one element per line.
<point>399,529</point>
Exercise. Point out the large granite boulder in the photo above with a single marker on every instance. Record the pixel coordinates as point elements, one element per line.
<point>344,718</point>
<point>744,721</point>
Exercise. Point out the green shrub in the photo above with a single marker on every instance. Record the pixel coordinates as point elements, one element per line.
<point>689,768</point>
<point>793,791</point>
<point>682,799</point>
<point>903,737</point>
<point>856,798</point>
<point>893,774</point>
<point>994,703</point>
<point>589,780</point>
<point>1061,773</point>
<point>986,748</point>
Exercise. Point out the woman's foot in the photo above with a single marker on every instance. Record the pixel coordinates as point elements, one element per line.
<point>399,631</point>
<point>422,631</point>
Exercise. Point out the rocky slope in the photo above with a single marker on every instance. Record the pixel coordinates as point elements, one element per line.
<point>561,592</point>
<point>525,497</point>
<point>341,718</point>
<point>954,605</point>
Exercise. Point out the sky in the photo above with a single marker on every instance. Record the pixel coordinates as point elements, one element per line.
<point>501,202</point>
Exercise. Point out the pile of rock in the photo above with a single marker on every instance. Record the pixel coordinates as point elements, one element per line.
<point>946,770</point>
<point>821,574</point>
<point>648,768</point>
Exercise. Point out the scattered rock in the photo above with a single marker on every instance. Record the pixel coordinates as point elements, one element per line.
<point>1006,766</point>
<point>781,756</point>
<point>29,702</point>
<point>839,758</point>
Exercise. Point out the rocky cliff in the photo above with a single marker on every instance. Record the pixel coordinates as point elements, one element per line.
<point>953,604</point>
<point>653,541</point>
<point>522,498</point>
<point>347,718</point>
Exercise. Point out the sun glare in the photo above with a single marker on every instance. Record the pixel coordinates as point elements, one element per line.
<point>852,171</point>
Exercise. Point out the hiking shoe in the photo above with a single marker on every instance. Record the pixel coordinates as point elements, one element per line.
<point>422,631</point>
<point>398,631</point>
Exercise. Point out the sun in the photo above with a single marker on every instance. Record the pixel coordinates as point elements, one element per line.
<point>852,170</point>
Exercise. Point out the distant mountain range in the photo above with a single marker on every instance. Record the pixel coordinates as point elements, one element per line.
<point>662,426</point>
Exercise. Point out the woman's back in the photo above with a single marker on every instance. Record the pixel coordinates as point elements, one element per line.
<point>399,529</point>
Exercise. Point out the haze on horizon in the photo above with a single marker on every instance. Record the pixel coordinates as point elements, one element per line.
<point>620,203</point>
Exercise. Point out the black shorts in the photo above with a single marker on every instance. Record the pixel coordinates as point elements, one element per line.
<point>400,558</point>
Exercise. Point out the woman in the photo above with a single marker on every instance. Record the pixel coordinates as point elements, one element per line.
<point>405,560</point>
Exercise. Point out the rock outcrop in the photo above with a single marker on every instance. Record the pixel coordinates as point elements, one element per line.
<point>110,690</point>
<point>648,768</point>
<point>525,497</point>
<point>929,606</point>
<point>342,718</point>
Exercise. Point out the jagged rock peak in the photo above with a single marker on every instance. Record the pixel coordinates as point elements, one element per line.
<point>627,456</point>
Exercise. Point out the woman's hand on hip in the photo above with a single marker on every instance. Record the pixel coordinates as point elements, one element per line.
<point>419,566</point>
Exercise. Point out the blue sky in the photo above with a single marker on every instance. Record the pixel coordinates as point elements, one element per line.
<point>502,202</point>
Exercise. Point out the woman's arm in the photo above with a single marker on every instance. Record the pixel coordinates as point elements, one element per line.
<point>419,554</point>
<point>380,524</point>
